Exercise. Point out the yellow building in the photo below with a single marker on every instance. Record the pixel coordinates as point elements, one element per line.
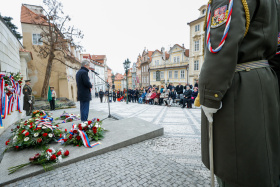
<point>196,45</point>
<point>62,77</point>
<point>171,67</point>
<point>118,81</point>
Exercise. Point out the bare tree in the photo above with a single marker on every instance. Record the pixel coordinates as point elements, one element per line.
<point>57,37</point>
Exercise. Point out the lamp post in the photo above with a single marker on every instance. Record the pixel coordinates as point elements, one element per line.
<point>113,80</point>
<point>126,66</point>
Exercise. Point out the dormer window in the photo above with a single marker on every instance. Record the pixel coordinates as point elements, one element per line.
<point>203,11</point>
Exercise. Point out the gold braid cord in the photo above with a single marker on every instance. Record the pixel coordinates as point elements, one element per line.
<point>247,14</point>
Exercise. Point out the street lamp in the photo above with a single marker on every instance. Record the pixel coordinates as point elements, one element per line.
<point>113,80</point>
<point>126,66</point>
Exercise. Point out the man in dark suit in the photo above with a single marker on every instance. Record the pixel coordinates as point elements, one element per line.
<point>84,89</point>
<point>187,98</point>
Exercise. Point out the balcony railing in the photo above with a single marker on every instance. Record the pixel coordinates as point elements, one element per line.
<point>177,64</point>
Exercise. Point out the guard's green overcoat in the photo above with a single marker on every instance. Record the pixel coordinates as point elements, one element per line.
<point>246,128</point>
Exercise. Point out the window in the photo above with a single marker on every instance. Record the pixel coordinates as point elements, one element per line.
<point>161,75</point>
<point>203,11</point>
<point>154,75</point>
<point>144,68</point>
<point>176,74</point>
<point>196,45</point>
<point>182,74</point>
<point>144,79</point>
<point>174,59</point>
<point>36,39</point>
<point>197,27</point>
<point>178,59</point>
<point>196,65</point>
<point>157,62</point>
<point>170,74</point>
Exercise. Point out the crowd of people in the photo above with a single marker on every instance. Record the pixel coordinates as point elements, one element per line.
<point>154,95</point>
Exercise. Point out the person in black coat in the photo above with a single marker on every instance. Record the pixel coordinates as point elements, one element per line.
<point>170,86</point>
<point>187,98</point>
<point>133,95</point>
<point>196,84</point>
<point>179,89</point>
<point>101,94</point>
<point>129,94</point>
<point>136,95</point>
<point>172,96</point>
<point>114,95</point>
<point>84,89</point>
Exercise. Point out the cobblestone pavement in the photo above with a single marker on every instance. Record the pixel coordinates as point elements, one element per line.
<point>169,160</point>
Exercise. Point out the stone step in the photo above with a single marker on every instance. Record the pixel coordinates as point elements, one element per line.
<point>121,133</point>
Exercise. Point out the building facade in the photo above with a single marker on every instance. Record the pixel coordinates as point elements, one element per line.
<point>118,81</point>
<point>196,45</point>
<point>13,59</point>
<point>109,75</point>
<point>133,76</point>
<point>129,78</point>
<point>171,67</point>
<point>145,62</point>
<point>62,77</point>
<point>138,72</point>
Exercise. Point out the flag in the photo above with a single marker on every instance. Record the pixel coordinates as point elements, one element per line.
<point>49,94</point>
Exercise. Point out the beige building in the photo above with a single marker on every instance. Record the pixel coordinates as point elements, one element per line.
<point>145,62</point>
<point>196,45</point>
<point>171,67</point>
<point>138,72</point>
<point>62,77</point>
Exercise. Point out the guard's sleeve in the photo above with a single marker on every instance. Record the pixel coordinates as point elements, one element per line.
<point>275,61</point>
<point>25,91</point>
<point>86,81</point>
<point>218,69</point>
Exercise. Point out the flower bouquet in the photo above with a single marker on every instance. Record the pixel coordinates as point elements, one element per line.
<point>46,158</point>
<point>68,117</point>
<point>83,133</point>
<point>33,133</point>
<point>39,113</point>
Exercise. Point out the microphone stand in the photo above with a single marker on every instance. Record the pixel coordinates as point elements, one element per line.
<point>108,86</point>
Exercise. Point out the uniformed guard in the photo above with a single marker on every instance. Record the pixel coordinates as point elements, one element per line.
<point>27,99</point>
<point>238,87</point>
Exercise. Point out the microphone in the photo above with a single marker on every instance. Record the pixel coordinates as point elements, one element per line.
<point>94,72</point>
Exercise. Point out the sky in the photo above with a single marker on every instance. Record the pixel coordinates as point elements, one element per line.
<point>122,29</point>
